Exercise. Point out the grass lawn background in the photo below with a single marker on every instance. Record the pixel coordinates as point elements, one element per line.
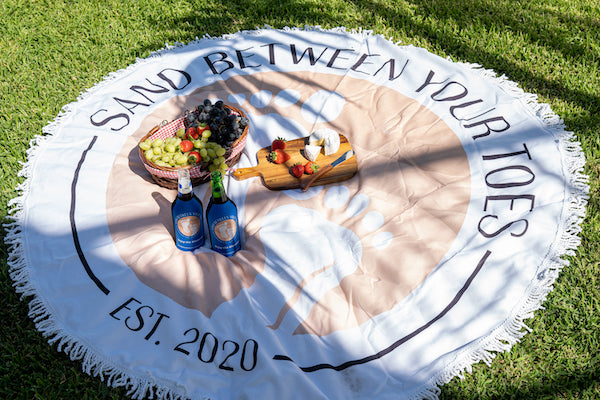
<point>51,51</point>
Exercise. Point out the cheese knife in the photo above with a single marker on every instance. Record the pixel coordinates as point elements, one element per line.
<point>321,171</point>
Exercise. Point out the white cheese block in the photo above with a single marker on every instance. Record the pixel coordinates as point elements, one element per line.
<point>317,138</point>
<point>332,144</point>
<point>312,152</point>
<point>328,138</point>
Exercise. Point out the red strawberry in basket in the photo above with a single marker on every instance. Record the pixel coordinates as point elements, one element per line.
<point>202,127</point>
<point>191,133</point>
<point>194,157</point>
<point>186,146</point>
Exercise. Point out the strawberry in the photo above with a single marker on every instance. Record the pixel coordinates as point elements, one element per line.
<point>278,156</point>
<point>191,133</point>
<point>310,168</point>
<point>278,143</point>
<point>298,170</point>
<point>202,127</point>
<point>186,146</point>
<point>194,157</point>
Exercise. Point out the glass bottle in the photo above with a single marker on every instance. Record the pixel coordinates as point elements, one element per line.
<point>186,210</point>
<point>222,219</point>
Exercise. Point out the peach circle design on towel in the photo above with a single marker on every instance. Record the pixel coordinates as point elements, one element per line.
<point>406,204</point>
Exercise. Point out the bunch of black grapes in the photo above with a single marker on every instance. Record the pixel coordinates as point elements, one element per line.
<point>225,126</point>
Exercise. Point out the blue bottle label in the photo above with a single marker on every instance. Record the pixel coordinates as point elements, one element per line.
<point>224,235</point>
<point>189,234</point>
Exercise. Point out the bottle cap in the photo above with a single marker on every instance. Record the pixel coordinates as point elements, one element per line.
<point>183,181</point>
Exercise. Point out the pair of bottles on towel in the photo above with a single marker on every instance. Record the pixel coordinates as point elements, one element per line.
<point>221,217</point>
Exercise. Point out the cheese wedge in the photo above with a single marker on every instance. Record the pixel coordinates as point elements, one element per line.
<point>312,152</point>
<point>316,140</point>
<point>328,138</point>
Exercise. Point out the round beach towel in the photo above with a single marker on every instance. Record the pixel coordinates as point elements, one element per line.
<point>382,285</point>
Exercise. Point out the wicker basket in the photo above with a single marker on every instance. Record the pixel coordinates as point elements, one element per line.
<point>167,176</point>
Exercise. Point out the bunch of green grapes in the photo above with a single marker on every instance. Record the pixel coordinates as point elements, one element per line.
<point>166,153</point>
<point>179,151</point>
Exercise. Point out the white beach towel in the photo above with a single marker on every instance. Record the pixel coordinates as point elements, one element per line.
<point>383,286</point>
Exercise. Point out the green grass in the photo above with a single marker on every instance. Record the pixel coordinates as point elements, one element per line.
<point>51,51</point>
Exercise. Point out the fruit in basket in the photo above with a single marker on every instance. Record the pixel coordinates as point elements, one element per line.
<point>146,144</point>
<point>181,159</point>
<point>224,126</point>
<point>202,127</point>
<point>186,145</point>
<point>170,148</point>
<point>208,133</point>
<point>194,157</point>
<point>174,152</point>
<point>192,133</point>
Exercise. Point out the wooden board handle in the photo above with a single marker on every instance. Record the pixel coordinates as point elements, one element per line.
<point>244,173</point>
<point>306,184</point>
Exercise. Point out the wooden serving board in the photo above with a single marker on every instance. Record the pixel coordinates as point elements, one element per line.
<point>279,176</point>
